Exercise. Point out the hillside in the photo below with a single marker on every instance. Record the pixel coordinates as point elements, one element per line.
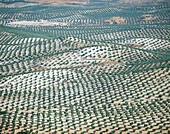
<point>84,68</point>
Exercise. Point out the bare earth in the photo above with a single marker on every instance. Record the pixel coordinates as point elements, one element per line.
<point>117,20</point>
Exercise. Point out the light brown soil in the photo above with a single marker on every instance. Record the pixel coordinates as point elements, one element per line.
<point>135,45</point>
<point>110,62</point>
<point>148,17</point>
<point>116,20</point>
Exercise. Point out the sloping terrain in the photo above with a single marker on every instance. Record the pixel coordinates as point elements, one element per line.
<point>106,71</point>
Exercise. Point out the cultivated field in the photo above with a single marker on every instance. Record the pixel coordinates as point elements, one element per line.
<point>84,68</point>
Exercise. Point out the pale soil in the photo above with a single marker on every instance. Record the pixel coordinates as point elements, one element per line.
<point>148,17</point>
<point>118,20</point>
<point>110,62</point>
